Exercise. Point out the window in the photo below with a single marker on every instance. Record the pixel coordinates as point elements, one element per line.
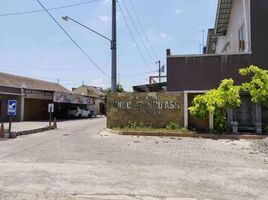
<point>241,38</point>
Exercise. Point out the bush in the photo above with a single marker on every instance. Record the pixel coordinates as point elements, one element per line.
<point>225,96</point>
<point>135,125</point>
<point>172,126</point>
<point>266,129</point>
<point>220,123</point>
<point>132,125</point>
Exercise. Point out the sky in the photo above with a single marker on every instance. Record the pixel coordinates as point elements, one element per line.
<point>33,45</point>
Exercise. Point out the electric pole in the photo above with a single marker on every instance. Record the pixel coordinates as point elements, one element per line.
<point>113,47</point>
<point>159,63</point>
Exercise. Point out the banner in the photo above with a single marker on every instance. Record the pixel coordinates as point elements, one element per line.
<point>72,98</point>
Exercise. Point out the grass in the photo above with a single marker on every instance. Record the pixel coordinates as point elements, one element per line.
<point>170,128</point>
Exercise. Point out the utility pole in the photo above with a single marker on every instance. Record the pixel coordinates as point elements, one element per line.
<point>113,47</point>
<point>159,63</point>
<point>118,75</point>
<point>113,42</point>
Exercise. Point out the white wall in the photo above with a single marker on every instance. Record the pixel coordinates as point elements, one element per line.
<point>237,19</point>
<point>96,106</point>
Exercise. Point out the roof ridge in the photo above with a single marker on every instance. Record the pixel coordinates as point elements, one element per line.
<point>21,79</point>
<point>22,76</point>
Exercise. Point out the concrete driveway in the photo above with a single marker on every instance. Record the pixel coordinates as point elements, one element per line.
<point>77,162</point>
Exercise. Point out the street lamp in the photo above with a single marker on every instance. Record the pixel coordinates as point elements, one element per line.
<point>112,41</point>
<point>66,18</point>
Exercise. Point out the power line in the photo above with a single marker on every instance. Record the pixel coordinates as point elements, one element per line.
<point>143,30</point>
<point>48,68</point>
<point>54,8</point>
<point>132,36</point>
<point>137,30</point>
<point>88,57</point>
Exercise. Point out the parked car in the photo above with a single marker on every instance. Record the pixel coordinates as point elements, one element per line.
<point>79,112</point>
<point>93,113</point>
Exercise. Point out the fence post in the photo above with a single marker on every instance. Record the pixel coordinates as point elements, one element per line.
<point>2,131</point>
<point>55,123</point>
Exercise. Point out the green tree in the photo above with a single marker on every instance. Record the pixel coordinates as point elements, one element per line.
<point>225,96</point>
<point>217,101</point>
<point>119,89</point>
<point>258,85</point>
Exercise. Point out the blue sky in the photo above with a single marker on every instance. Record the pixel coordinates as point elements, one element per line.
<point>33,45</point>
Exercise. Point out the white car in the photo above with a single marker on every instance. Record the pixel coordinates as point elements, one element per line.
<point>79,112</point>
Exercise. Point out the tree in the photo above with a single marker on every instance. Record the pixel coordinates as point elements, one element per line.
<point>119,89</point>
<point>225,96</point>
<point>217,101</point>
<point>258,85</point>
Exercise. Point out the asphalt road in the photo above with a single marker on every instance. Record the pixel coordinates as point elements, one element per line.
<point>78,162</point>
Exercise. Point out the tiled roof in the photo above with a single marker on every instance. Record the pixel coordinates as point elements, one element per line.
<point>30,83</point>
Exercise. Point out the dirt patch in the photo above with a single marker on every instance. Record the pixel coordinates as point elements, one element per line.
<point>260,146</point>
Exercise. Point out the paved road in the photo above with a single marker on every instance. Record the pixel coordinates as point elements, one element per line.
<point>76,162</point>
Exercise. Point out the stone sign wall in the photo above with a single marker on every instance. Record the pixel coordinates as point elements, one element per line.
<point>155,109</point>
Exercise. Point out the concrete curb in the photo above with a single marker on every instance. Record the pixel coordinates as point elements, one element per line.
<point>27,132</point>
<point>38,130</point>
<point>193,135</point>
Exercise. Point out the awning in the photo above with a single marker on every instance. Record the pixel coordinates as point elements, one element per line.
<point>59,97</point>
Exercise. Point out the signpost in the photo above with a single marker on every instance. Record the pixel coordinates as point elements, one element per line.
<point>11,111</point>
<point>50,110</point>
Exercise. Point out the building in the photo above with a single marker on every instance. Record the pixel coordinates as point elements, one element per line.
<point>94,92</point>
<point>238,40</point>
<point>33,97</point>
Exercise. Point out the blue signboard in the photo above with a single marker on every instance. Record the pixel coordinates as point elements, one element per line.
<point>12,107</point>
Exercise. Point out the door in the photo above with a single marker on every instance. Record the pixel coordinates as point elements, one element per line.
<point>245,115</point>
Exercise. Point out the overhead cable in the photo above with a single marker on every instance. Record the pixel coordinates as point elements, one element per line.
<point>43,10</point>
<point>132,35</point>
<point>138,32</point>
<point>83,52</point>
<point>143,30</point>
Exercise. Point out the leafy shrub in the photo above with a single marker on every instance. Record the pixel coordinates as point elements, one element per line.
<point>266,129</point>
<point>220,123</point>
<point>225,96</point>
<point>172,126</point>
<point>131,125</point>
<point>257,87</point>
<point>135,125</point>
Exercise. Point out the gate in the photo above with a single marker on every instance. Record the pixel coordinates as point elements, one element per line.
<point>245,115</point>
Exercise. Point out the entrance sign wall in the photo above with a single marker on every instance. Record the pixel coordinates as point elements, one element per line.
<point>155,109</point>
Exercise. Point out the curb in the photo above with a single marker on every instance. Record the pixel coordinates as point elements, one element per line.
<point>38,130</point>
<point>15,134</point>
<point>194,135</point>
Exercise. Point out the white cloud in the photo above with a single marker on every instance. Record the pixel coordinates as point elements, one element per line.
<point>106,1</point>
<point>105,18</point>
<point>98,82</point>
<point>178,11</point>
<point>45,62</point>
<point>163,35</point>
